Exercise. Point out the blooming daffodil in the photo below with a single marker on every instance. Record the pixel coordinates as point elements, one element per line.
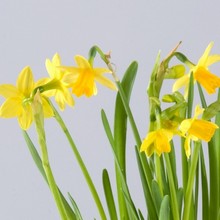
<point>18,99</point>
<point>82,78</point>
<point>196,129</point>
<point>201,73</point>
<point>157,141</point>
<point>55,85</point>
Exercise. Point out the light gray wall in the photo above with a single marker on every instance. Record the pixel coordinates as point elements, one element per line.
<point>31,31</point>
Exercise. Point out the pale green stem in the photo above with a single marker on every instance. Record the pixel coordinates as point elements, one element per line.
<point>189,189</point>
<point>158,173</point>
<point>46,166</point>
<point>173,193</point>
<point>81,164</point>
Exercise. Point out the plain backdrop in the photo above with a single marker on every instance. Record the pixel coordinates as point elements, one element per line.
<point>33,30</point>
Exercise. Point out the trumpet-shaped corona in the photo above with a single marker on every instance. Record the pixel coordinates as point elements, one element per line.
<point>201,73</point>
<point>82,78</point>
<point>196,129</point>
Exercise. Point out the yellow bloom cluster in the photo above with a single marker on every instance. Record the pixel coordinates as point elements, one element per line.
<point>80,78</point>
<point>194,129</point>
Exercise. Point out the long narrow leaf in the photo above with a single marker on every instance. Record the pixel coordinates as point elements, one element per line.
<point>120,130</point>
<point>165,209</point>
<point>108,195</point>
<point>75,207</point>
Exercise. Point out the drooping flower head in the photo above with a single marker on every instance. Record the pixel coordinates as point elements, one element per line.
<point>196,129</point>
<point>201,73</point>
<point>55,85</point>
<point>157,141</point>
<point>82,78</point>
<point>18,99</point>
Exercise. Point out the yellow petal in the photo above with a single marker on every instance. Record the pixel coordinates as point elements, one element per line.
<point>181,82</point>
<point>148,141</point>
<point>50,68</point>
<point>25,81</point>
<point>8,91</point>
<point>48,111</point>
<point>203,130</point>
<point>26,117</point>
<point>212,59</point>
<point>70,78</point>
<point>68,97</point>
<point>187,147</point>
<point>105,82</point>
<point>82,62</point>
<point>185,126</point>
<point>56,60</point>
<point>204,58</point>
<point>12,107</point>
<point>198,111</point>
<point>208,80</point>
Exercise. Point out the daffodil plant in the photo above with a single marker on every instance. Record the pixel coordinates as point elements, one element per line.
<point>168,194</point>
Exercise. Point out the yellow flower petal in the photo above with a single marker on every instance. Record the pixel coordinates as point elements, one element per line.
<point>203,130</point>
<point>212,59</point>
<point>48,111</point>
<point>208,80</point>
<point>26,117</point>
<point>56,60</point>
<point>12,107</point>
<point>8,91</point>
<point>187,147</point>
<point>204,58</point>
<point>181,82</point>
<point>82,62</point>
<point>25,81</point>
<point>105,82</point>
<point>158,141</point>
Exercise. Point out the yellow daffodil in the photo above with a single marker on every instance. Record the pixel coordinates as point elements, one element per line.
<point>196,129</point>
<point>82,78</point>
<point>201,73</point>
<point>157,141</point>
<point>55,86</point>
<point>18,99</point>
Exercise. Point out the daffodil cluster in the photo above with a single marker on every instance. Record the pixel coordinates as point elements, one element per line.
<point>81,78</point>
<point>160,132</point>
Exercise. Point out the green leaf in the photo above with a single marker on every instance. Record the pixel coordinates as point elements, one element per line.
<point>124,187</point>
<point>120,130</point>
<point>190,96</point>
<point>156,194</point>
<point>211,111</point>
<point>75,207</point>
<point>180,199</point>
<point>108,195</point>
<point>165,209</point>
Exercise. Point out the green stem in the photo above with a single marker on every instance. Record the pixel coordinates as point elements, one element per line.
<point>173,194</point>
<point>189,189</point>
<point>81,164</point>
<point>158,174</point>
<point>39,122</point>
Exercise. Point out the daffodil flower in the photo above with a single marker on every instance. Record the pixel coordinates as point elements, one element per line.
<point>201,73</point>
<point>82,78</point>
<point>196,129</point>
<point>55,85</point>
<point>157,141</point>
<point>18,99</point>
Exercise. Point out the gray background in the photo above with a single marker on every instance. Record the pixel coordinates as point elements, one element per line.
<point>32,31</point>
